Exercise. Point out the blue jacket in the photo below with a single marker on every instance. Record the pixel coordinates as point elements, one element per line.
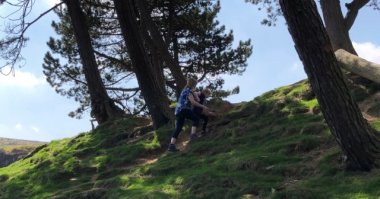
<point>183,102</point>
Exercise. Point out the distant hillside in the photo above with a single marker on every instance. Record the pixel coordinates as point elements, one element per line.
<point>275,146</point>
<point>13,149</point>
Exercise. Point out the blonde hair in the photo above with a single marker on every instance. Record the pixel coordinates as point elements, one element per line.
<point>191,82</point>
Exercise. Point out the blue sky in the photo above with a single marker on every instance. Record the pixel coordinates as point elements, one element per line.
<point>32,110</point>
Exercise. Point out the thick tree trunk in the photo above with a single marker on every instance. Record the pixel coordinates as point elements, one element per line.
<point>359,66</point>
<point>336,26</point>
<point>102,107</point>
<point>160,44</point>
<point>352,132</point>
<point>152,87</point>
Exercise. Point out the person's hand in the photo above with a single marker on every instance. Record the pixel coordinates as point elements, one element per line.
<point>212,113</point>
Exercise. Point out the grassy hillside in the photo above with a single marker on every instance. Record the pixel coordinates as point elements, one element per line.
<point>276,146</point>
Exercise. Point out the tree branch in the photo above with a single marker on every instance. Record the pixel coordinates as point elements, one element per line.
<point>12,45</point>
<point>119,80</point>
<point>139,111</point>
<point>353,10</point>
<point>203,76</point>
<point>77,81</point>
<point>127,66</point>
<point>359,66</point>
<point>123,89</point>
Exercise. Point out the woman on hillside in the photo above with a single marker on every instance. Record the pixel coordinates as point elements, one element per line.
<point>183,111</point>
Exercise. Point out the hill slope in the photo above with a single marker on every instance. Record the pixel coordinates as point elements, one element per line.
<point>276,146</point>
<point>14,149</point>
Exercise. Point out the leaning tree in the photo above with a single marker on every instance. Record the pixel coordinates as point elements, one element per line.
<point>148,73</point>
<point>352,132</point>
<point>62,64</point>
<point>103,107</point>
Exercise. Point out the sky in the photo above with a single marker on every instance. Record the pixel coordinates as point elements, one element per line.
<point>32,110</point>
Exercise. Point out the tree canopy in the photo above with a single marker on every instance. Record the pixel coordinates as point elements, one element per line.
<point>195,39</point>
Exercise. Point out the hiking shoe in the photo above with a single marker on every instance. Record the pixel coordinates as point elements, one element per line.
<point>172,148</point>
<point>193,137</point>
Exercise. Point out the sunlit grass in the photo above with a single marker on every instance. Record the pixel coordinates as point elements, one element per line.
<point>376,125</point>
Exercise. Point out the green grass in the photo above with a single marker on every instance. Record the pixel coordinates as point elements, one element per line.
<point>376,125</point>
<point>273,147</point>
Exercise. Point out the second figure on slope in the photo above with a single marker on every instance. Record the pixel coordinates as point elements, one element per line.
<point>201,112</point>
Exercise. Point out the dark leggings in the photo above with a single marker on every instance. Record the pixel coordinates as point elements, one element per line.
<point>205,121</point>
<point>198,113</point>
<point>180,120</point>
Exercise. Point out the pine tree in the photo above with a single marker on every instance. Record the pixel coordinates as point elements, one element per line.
<point>102,107</point>
<point>195,40</point>
<point>199,43</point>
<point>148,73</point>
<point>65,75</point>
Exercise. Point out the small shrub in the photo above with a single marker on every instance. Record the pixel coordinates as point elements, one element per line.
<point>72,165</point>
<point>3,177</point>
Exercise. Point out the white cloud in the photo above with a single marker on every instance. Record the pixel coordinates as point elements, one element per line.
<point>52,2</point>
<point>296,66</point>
<point>368,51</point>
<point>19,131</point>
<point>20,79</point>
<point>18,127</point>
<point>35,129</point>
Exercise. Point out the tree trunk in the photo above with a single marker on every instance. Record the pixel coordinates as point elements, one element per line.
<point>336,26</point>
<point>359,66</point>
<point>351,131</point>
<point>102,106</point>
<point>159,43</point>
<point>172,37</point>
<point>152,87</point>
